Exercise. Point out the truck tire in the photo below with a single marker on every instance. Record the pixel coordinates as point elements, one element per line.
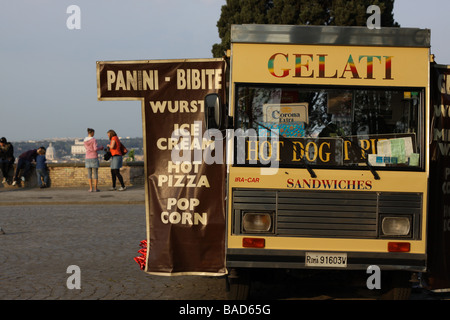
<point>238,284</point>
<point>397,286</point>
<point>397,294</point>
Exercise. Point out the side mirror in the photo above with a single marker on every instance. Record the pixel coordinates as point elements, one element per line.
<point>213,111</point>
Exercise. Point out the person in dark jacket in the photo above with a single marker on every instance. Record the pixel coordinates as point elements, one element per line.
<point>6,158</point>
<point>24,162</point>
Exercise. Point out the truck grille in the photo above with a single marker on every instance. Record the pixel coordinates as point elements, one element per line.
<point>324,213</point>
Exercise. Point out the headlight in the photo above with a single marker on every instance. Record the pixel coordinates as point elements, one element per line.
<point>257,222</point>
<point>396,226</point>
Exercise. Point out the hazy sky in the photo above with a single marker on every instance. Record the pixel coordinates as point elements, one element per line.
<point>48,72</point>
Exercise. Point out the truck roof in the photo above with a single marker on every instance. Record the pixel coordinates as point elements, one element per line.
<point>331,35</point>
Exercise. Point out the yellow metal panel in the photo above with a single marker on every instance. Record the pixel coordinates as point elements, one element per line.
<point>330,65</point>
<point>344,180</point>
<point>337,180</point>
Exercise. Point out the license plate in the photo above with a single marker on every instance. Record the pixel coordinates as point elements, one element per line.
<point>320,259</point>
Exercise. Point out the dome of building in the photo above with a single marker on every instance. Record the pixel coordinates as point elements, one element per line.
<point>50,153</point>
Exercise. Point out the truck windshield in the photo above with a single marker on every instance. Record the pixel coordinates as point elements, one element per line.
<point>334,126</point>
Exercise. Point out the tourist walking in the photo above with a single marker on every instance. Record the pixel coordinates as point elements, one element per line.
<point>115,148</point>
<point>91,159</point>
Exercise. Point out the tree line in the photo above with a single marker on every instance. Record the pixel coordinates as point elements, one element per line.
<point>297,12</point>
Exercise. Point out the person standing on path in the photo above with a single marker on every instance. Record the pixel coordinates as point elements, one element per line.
<point>91,159</point>
<point>6,158</point>
<point>116,159</point>
<point>42,169</point>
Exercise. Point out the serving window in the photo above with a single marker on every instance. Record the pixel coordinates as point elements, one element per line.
<point>344,127</point>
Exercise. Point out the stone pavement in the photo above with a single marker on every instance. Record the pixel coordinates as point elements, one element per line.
<point>41,242</point>
<point>48,230</point>
<point>70,196</point>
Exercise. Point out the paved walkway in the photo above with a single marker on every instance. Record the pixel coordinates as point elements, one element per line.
<point>47,230</point>
<point>70,196</point>
<point>41,242</point>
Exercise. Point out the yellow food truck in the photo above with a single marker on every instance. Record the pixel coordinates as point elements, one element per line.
<point>330,161</point>
<point>308,149</point>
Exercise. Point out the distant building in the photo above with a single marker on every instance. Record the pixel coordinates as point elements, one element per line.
<point>78,148</point>
<point>50,154</point>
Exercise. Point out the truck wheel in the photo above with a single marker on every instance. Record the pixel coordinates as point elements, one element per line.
<point>397,294</point>
<point>397,286</point>
<point>238,284</point>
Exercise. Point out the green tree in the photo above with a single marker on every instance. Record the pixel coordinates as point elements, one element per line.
<point>353,12</point>
<point>300,12</point>
<point>239,12</point>
<point>297,12</point>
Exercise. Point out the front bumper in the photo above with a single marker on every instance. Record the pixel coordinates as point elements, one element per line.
<point>295,259</point>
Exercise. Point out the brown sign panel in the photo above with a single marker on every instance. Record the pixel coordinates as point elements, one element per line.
<point>439,198</point>
<point>184,195</point>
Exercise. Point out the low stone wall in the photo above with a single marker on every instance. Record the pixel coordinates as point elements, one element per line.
<point>75,175</point>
